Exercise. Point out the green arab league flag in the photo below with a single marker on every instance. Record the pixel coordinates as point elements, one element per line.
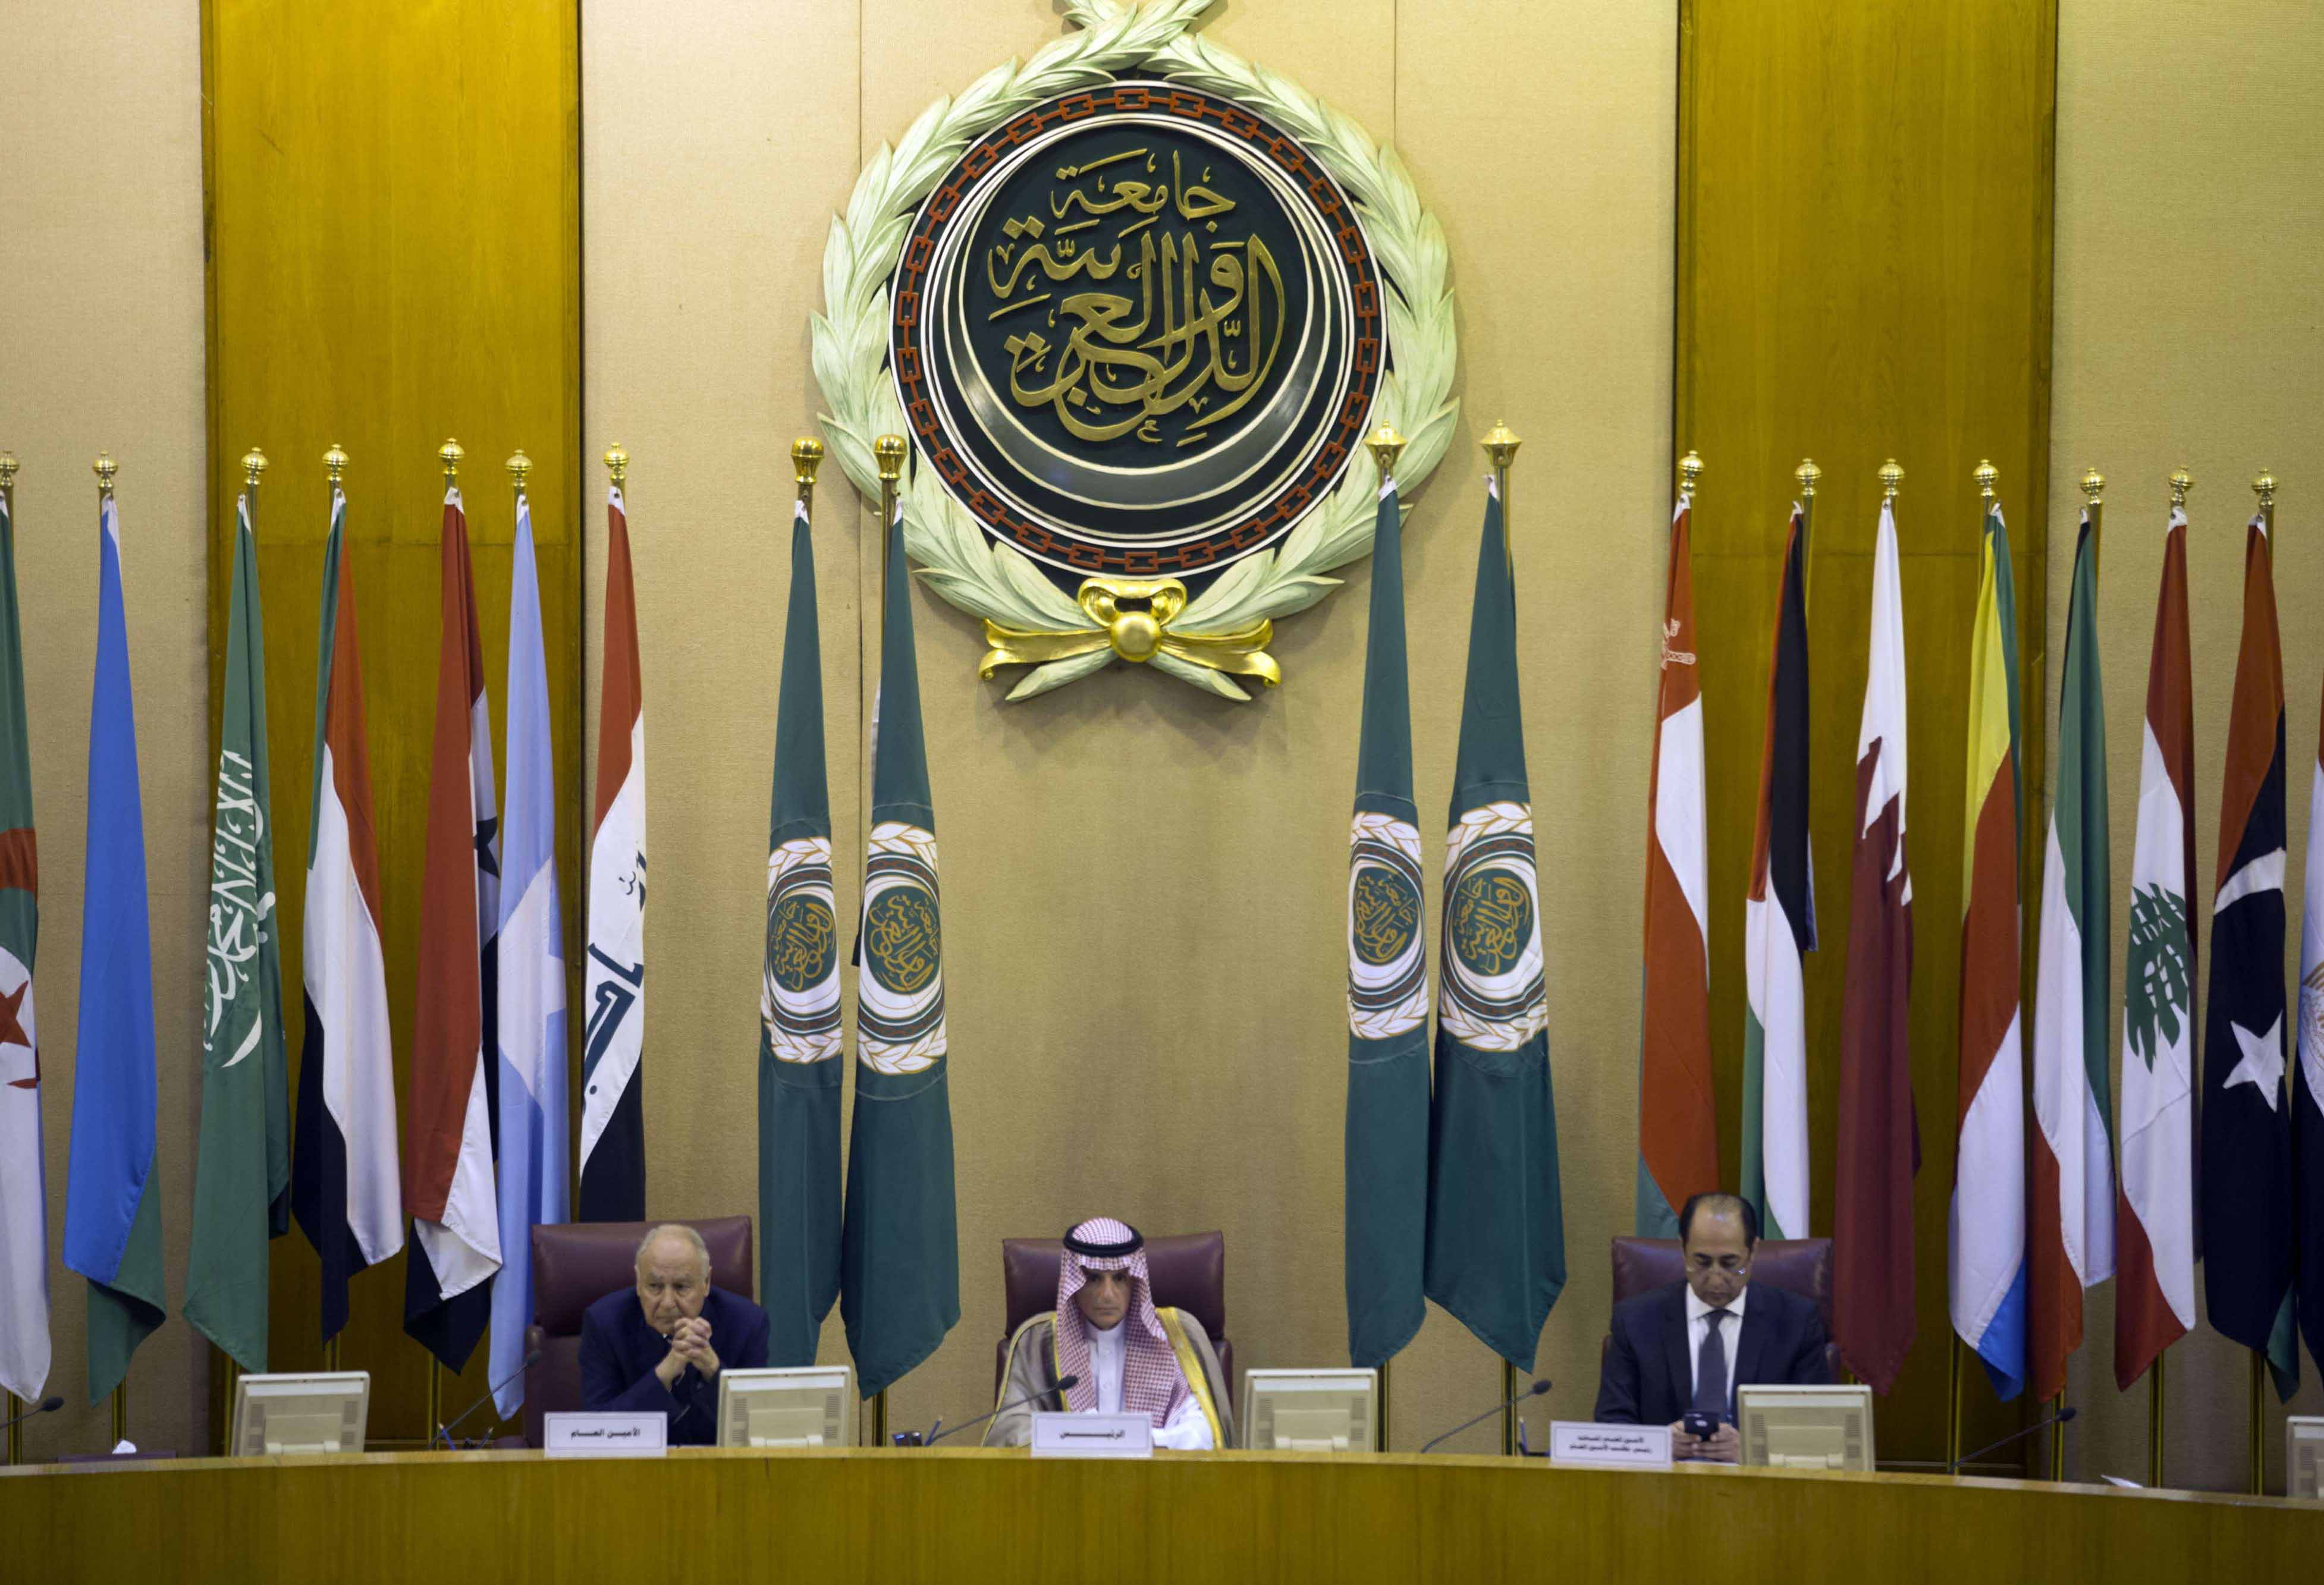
<point>900,1243</point>
<point>1388,988</point>
<point>242,1178</point>
<point>1496,1226</point>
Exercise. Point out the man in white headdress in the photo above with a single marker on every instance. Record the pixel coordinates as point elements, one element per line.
<point>1121,1353</point>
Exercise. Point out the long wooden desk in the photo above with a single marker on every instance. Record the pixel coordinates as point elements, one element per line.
<point>970,1515</point>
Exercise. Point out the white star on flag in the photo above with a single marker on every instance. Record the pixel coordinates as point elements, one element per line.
<point>2263,1064</point>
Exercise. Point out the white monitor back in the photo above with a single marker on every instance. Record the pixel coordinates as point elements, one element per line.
<point>322,1412</point>
<point>2303,1456</point>
<point>1805,1427</point>
<point>802,1406</point>
<point>1309,1411</point>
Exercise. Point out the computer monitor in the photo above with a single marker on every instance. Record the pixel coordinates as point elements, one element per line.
<point>2303,1456</point>
<point>1309,1411</point>
<point>804,1405</point>
<point>1805,1427</point>
<point>323,1413</point>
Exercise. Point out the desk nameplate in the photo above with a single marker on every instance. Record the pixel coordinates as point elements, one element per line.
<point>1092,1436</point>
<point>605,1435</point>
<point>1623,1447</point>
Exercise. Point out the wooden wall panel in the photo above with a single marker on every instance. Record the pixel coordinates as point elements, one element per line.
<point>394,257</point>
<point>1863,272</point>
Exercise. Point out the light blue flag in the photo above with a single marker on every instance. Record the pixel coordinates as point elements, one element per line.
<point>532,1167</point>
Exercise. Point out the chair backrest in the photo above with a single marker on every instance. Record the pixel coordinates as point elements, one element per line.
<point>1189,1272</point>
<point>1799,1266</point>
<point>575,1264</point>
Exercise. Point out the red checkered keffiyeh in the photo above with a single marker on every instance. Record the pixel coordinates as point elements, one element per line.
<point>1151,1382</point>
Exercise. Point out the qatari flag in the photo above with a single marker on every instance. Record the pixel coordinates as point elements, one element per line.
<point>613,1086</point>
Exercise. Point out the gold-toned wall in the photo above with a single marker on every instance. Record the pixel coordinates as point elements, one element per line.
<point>2189,329</point>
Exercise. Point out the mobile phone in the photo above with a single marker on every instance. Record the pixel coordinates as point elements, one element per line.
<point>1701,1422</point>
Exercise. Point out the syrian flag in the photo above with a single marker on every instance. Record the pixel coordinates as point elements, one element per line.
<point>2307,1081</point>
<point>532,1021</point>
<point>1779,926</point>
<point>447,1144</point>
<point>1986,1272</point>
<point>1678,1118</point>
<point>1879,1136</point>
<point>24,1177</point>
<point>344,1187</point>
<point>612,1088</point>
<point>2247,1186</point>
<point>2154,1208</point>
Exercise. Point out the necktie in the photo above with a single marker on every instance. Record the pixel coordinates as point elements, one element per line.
<point>1710,1370</point>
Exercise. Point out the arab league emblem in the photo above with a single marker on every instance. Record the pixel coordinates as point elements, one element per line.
<point>1137,302</point>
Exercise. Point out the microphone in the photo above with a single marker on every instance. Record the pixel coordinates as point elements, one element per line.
<point>444,1431</point>
<point>936,1437</point>
<point>47,1406</point>
<point>2065,1412</point>
<point>1534,1391</point>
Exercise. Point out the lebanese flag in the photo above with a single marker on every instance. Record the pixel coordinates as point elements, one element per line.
<point>344,1189</point>
<point>1879,1137</point>
<point>612,1087</point>
<point>447,1159</point>
<point>1678,1123</point>
<point>2155,1201</point>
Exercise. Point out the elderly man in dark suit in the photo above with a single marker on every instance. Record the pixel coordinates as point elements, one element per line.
<point>1686,1347</point>
<point>662,1345</point>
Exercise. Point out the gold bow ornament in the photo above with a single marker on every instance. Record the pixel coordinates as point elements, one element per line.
<point>1132,616</point>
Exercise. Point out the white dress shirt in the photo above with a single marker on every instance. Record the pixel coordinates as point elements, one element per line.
<point>1189,1428</point>
<point>1730,1336</point>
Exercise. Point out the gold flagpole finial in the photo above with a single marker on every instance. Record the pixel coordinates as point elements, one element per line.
<point>1690,472</point>
<point>889,450</point>
<point>335,463</point>
<point>1385,446</point>
<point>1501,447</point>
<point>806,461</point>
<point>7,470</point>
<point>253,463</point>
<point>449,453</point>
<point>518,465</point>
<point>1807,474</point>
<point>2181,482</point>
<point>1891,478</point>
<point>1987,476</point>
<point>2264,488</point>
<point>617,464</point>
<point>104,467</point>
<point>2094,486</point>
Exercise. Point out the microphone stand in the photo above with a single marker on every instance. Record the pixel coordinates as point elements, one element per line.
<point>2061,1417</point>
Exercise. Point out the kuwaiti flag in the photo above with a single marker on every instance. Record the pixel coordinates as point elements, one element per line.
<point>447,1141</point>
<point>2072,1224</point>
<point>1678,1120</point>
<point>533,1164</point>
<point>1387,1141</point>
<point>24,1179</point>
<point>113,1206</point>
<point>799,1035</point>
<point>900,1242</point>
<point>2307,1081</point>
<point>1986,1271</point>
<point>2247,1186</point>
<point>1879,1139</point>
<point>2154,1207</point>
<point>612,1187</point>
<point>345,1189</point>
<point>1495,1222</point>
<point>1779,926</point>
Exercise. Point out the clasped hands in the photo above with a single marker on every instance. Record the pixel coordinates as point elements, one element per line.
<point>690,1344</point>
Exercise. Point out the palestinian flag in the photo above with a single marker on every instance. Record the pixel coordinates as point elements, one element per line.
<point>24,1177</point>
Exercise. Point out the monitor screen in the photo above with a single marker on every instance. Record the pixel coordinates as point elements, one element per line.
<point>1309,1411</point>
<point>800,1406</point>
<point>2303,1456</point>
<point>323,1413</point>
<point>1805,1427</point>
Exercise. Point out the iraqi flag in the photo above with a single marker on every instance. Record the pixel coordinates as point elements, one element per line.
<point>345,1190</point>
<point>2072,1224</point>
<point>2247,1186</point>
<point>2154,1205</point>
<point>448,1142</point>
<point>1985,1266</point>
<point>612,1187</point>
<point>24,1179</point>
<point>1879,1139</point>
<point>1779,926</point>
<point>1678,1118</point>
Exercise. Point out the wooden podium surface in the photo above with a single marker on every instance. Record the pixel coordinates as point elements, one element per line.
<point>972,1515</point>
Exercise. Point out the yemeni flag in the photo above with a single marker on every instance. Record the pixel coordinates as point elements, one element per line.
<point>533,1171</point>
<point>612,1089</point>
<point>899,1245</point>
<point>799,1036</point>
<point>345,1187</point>
<point>2154,1207</point>
<point>2307,1082</point>
<point>1678,1120</point>
<point>1880,1142</point>
<point>2247,1185</point>
<point>448,1142</point>
<point>1986,1271</point>
<point>1779,926</point>
<point>1495,1224</point>
<point>1386,1148</point>
<point>2071,1226</point>
<point>242,1179</point>
<point>113,1206</point>
<point>24,1177</point>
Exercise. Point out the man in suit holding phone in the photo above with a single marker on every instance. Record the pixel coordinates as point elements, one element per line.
<point>1680,1351</point>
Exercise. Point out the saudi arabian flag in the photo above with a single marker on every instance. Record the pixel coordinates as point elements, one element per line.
<point>242,1179</point>
<point>1495,1227</point>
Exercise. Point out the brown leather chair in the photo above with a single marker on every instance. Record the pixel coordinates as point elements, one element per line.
<point>1799,1266</point>
<point>575,1264</point>
<point>1189,1272</point>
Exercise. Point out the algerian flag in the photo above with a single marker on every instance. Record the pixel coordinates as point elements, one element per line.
<point>242,1180</point>
<point>23,1183</point>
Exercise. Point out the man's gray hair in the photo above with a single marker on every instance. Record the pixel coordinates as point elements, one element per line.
<point>675,1229</point>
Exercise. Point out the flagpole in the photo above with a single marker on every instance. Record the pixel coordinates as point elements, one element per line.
<point>2264,488</point>
<point>1954,1404</point>
<point>2154,1421</point>
<point>104,467</point>
<point>1501,447</point>
<point>1385,446</point>
<point>1806,474</point>
<point>889,451</point>
<point>806,457</point>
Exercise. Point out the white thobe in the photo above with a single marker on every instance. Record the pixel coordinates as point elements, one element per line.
<point>1187,1430</point>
